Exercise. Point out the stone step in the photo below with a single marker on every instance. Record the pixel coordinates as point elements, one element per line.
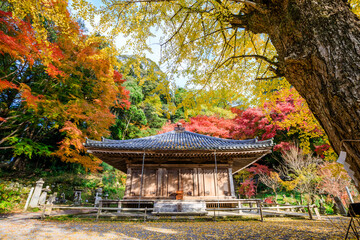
<point>179,213</point>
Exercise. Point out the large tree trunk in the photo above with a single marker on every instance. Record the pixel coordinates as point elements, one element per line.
<point>318,43</point>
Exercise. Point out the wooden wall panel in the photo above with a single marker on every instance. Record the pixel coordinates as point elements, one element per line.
<point>223,182</point>
<point>209,183</point>
<point>164,182</point>
<point>150,183</point>
<point>187,181</point>
<point>172,182</point>
<point>135,182</point>
<point>128,182</point>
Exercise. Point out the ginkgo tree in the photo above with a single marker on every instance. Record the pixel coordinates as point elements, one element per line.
<point>314,44</point>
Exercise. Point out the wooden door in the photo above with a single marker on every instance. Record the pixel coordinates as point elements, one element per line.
<point>172,182</point>
<point>223,182</point>
<point>187,181</point>
<point>150,183</point>
<point>209,182</point>
<point>135,182</point>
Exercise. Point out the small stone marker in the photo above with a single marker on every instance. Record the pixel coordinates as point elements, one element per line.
<point>52,198</point>
<point>43,195</point>
<point>98,194</point>
<point>77,196</point>
<point>62,198</point>
<point>35,197</point>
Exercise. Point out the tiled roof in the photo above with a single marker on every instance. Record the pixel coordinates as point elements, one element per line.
<point>179,140</point>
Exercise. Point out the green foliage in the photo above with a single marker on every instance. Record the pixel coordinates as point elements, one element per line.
<point>151,103</point>
<point>28,147</point>
<point>12,196</point>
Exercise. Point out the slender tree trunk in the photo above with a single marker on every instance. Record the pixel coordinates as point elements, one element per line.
<point>318,43</point>
<point>275,195</point>
<point>19,164</point>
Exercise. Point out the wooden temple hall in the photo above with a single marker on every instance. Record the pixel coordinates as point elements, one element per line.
<point>198,167</point>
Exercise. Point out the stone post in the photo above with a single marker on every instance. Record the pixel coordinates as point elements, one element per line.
<point>28,199</point>
<point>43,195</point>
<point>77,197</point>
<point>98,194</point>
<point>35,197</point>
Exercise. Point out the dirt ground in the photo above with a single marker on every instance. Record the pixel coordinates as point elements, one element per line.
<point>26,226</point>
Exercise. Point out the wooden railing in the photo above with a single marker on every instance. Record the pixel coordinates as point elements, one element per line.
<point>259,207</point>
<point>235,205</point>
<point>103,206</point>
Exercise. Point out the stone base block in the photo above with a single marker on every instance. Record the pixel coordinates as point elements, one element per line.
<point>179,206</point>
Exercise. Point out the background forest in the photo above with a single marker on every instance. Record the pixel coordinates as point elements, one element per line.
<point>60,85</point>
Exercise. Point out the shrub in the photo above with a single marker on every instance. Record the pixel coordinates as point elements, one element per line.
<point>12,196</point>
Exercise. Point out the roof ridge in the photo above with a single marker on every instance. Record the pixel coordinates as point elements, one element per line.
<point>222,139</point>
<point>184,140</point>
<point>134,139</point>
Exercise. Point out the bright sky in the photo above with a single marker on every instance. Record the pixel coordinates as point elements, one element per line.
<point>154,43</point>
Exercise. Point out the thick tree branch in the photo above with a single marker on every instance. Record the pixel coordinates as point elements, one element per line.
<point>9,147</point>
<point>10,135</point>
<point>267,78</point>
<point>252,5</point>
<point>238,21</point>
<point>251,56</point>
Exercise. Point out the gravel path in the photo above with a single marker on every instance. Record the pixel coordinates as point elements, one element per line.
<point>23,226</point>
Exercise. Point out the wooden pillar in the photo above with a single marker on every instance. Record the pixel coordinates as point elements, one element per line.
<point>128,183</point>
<point>159,174</point>
<point>142,183</point>
<point>164,183</point>
<point>200,182</point>
<point>231,182</point>
<point>215,183</point>
<point>195,181</point>
<point>180,187</point>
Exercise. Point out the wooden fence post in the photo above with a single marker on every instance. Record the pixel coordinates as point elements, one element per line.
<point>43,212</point>
<point>119,206</point>
<point>99,210</point>
<point>214,215</point>
<point>239,206</point>
<point>145,214</point>
<point>316,210</point>
<point>261,212</point>
<point>51,206</point>
<point>309,210</point>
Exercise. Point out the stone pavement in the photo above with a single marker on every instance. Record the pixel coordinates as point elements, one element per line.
<point>26,226</point>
